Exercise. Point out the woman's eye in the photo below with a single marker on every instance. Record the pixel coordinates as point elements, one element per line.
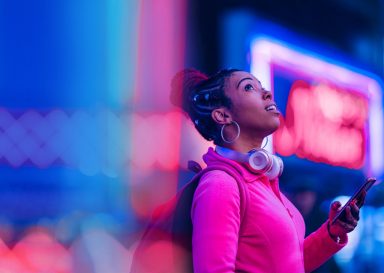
<point>248,87</point>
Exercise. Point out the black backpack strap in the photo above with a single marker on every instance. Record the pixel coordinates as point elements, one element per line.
<point>183,225</point>
<point>194,166</point>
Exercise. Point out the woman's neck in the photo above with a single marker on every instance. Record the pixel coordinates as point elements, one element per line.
<point>244,145</point>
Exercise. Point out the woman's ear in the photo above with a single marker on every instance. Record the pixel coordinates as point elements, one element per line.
<point>221,116</point>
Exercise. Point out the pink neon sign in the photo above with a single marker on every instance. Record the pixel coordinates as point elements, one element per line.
<point>324,124</point>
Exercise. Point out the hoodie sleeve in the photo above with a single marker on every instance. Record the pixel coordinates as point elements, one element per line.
<point>216,221</point>
<point>319,247</point>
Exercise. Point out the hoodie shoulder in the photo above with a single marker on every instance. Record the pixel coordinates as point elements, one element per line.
<point>218,187</point>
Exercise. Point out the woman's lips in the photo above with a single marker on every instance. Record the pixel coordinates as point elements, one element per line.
<point>272,108</point>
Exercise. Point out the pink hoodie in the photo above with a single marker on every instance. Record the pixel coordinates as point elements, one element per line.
<point>271,238</point>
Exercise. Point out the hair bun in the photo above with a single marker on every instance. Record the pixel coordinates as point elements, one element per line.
<point>182,85</point>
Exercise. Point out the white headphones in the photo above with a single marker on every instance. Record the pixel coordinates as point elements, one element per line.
<point>259,161</point>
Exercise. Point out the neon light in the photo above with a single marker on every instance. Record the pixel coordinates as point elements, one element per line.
<point>121,41</point>
<point>324,124</point>
<point>267,52</point>
<point>159,59</point>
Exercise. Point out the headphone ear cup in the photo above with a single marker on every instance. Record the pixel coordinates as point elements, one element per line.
<point>260,161</point>
<point>276,168</point>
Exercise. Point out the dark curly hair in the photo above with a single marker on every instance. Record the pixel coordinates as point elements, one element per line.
<point>198,95</point>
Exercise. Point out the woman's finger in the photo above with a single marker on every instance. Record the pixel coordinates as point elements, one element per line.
<point>350,219</point>
<point>355,211</point>
<point>361,199</point>
<point>335,206</point>
<point>345,226</point>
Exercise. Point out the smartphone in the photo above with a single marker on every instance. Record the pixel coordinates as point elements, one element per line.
<point>366,186</point>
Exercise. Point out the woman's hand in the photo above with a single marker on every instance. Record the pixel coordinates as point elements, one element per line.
<point>340,228</point>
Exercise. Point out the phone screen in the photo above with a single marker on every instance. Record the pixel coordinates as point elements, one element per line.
<point>366,186</point>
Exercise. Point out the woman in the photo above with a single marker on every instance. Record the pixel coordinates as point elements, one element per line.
<point>233,110</point>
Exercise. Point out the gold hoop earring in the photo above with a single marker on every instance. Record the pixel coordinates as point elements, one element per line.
<point>237,135</point>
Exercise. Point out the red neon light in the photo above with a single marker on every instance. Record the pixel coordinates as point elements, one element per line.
<point>324,124</point>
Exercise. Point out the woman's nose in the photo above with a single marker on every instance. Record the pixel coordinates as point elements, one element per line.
<point>267,95</point>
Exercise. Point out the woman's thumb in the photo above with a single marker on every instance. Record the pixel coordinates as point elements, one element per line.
<point>335,206</point>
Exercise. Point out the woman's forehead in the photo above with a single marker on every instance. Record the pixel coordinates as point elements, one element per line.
<point>237,76</point>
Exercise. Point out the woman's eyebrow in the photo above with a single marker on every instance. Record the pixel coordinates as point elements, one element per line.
<point>243,79</point>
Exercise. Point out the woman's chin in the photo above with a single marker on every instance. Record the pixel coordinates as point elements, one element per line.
<point>273,127</point>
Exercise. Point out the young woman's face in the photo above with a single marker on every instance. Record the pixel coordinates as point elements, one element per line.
<point>252,106</point>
